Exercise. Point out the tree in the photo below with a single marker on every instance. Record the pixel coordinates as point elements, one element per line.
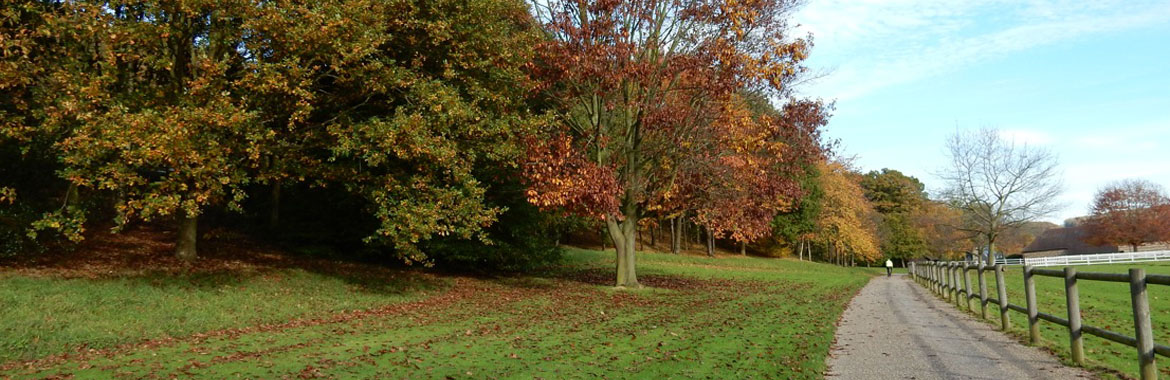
<point>892,192</point>
<point>400,103</point>
<point>997,184</point>
<point>1014,240</point>
<point>1130,212</point>
<point>845,224</point>
<point>642,85</point>
<point>153,109</point>
<point>173,108</point>
<point>900,239</point>
<point>798,225</point>
<point>755,175</point>
<point>895,196</point>
<point>939,224</point>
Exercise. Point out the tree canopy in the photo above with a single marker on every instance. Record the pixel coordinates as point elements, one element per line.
<point>1130,212</point>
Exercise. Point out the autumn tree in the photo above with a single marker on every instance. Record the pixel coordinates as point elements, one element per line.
<point>754,174</point>
<point>998,184</point>
<point>1130,212</point>
<point>1014,240</point>
<point>402,103</point>
<point>642,84</point>
<point>941,227</point>
<point>846,221</point>
<point>172,108</point>
<point>151,108</point>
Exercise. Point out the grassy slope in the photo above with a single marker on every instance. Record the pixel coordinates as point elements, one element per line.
<point>698,318</point>
<point>1103,304</point>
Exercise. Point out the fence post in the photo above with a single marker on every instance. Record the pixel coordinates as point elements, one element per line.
<point>930,272</point>
<point>967,285</point>
<point>939,279</point>
<point>1033,311</point>
<point>954,267</point>
<point>953,290</point>
<point>1003,302</point>
<point>958,284</point>
<point>930,275</point>
<point>1073,298</point>
<point>1141,323</point>
<point>982,290</point>
<point>933,277</point>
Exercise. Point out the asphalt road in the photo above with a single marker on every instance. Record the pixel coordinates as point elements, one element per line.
<point>895,329</point>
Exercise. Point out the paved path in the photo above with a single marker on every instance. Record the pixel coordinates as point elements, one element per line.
<point>895,329</point>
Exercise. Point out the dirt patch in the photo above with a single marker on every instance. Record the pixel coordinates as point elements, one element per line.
<point>599,277</point>
<point>148,249</point>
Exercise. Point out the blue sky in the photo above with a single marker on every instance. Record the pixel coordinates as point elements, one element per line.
<point>1089,80</point>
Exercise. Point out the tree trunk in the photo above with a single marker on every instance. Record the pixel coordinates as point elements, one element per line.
<point>699,235</point>
<point>274,211</point>
<point>70,196</point>
<point>603,237</point>
<point>800,250</point>
<point>710,243</point>
<point>188,233</point>
<point>743,248</point>
<point>625,236</point>
<point>675,235</point>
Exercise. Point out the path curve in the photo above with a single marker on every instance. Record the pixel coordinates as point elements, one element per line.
<point>895,329</point>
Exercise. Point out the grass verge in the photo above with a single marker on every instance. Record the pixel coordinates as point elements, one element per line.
<point>696,318</point>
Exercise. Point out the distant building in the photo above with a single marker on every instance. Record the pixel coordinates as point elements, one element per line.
<point>1065,241</point>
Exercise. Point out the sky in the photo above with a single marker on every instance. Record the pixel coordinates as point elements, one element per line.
<point>1088,80</point>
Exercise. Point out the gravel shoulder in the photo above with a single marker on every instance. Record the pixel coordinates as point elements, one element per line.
<point>895,329</point>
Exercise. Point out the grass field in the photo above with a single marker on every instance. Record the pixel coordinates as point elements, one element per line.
<point>1103,304</point>
<point>697,318</point>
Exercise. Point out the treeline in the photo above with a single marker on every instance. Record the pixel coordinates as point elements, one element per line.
<point>438,132</point>
<point>401,120</point>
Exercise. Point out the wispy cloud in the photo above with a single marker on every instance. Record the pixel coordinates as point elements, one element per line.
<point>884,43</point>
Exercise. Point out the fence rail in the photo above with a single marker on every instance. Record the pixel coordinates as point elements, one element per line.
<point>951,281</point>
<point>1103,258</point>
<point>1093,259</point>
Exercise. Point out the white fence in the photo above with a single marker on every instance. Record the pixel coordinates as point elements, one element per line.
<point>1096,259</point>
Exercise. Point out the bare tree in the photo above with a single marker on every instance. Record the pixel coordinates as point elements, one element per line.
<point>998,184</point>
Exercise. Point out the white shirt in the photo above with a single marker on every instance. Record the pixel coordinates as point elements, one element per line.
<point>889,263</point>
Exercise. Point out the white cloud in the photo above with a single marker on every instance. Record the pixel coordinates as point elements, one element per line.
<point>882,43</point>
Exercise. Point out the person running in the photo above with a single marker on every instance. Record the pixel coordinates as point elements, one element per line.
<point>889,267</point>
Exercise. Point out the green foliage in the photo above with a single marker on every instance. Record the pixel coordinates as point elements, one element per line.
<point>524,238</point>
<point>900,199</point>
<point>801,222</point>
<point>399,103</point>
<point>890,191</point>
<point>900,238</point>
<point>165,109</point>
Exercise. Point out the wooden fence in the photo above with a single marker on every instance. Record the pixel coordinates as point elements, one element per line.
<point>951,280</point>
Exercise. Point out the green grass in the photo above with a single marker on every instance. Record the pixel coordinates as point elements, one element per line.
<point>1103,304</point>
<point>697,318</point>
<point>44,315</point>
